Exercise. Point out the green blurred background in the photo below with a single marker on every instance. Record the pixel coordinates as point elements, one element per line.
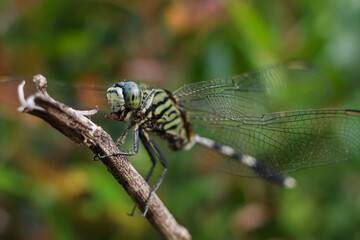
<point>50,188</point>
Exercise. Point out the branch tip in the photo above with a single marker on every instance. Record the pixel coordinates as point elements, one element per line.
<point>40,81</point>
<point>21,94</point>
<point>88,113</point>
<point>29,103</point>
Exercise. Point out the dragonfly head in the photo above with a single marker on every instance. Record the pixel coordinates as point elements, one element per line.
<point>124,95</point>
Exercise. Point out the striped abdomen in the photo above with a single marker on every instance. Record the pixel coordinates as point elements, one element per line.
<point>165,118</point>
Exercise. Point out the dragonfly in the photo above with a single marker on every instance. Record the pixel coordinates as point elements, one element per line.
<point>229,116</point>
<point>235,117</point>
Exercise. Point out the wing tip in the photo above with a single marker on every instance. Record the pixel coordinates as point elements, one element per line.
<point>351,112</point>
<point>290,182</point>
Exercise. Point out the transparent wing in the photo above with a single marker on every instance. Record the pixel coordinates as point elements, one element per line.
<point>286,141</point>
<point>84,95</point>
<point>263,90</point>
<point>78,96</point>
<point>233,112</point>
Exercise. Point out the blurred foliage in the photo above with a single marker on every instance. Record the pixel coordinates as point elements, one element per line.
<point>50,188</point>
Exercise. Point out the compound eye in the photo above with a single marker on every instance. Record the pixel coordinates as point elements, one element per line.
<point>132,95</point>
<point>115,98</point>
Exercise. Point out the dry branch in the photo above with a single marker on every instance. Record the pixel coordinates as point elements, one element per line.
<point>80,129</point>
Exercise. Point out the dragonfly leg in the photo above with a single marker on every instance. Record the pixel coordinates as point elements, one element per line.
<point>122,138</point>
<point>150,151</point>
<point>150,144</point>
<point>147,101</point>
<point>260,169</point>
<point>136,147</point>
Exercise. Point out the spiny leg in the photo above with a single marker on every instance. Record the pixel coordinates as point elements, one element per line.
<point>262,170</point>
<point>150,150</point>
<point>122,138</point>
<point>136,147</point>
<point>148,100</point>
<point>162,175</point>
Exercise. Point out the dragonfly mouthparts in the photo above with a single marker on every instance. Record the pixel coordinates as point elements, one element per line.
<point>118,116</point>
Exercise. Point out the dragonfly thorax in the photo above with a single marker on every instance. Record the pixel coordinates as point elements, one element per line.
<point>124,95</point>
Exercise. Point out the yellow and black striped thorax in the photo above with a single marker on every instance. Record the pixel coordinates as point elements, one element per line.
<point>165,118</point>
<point>152,110</point>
